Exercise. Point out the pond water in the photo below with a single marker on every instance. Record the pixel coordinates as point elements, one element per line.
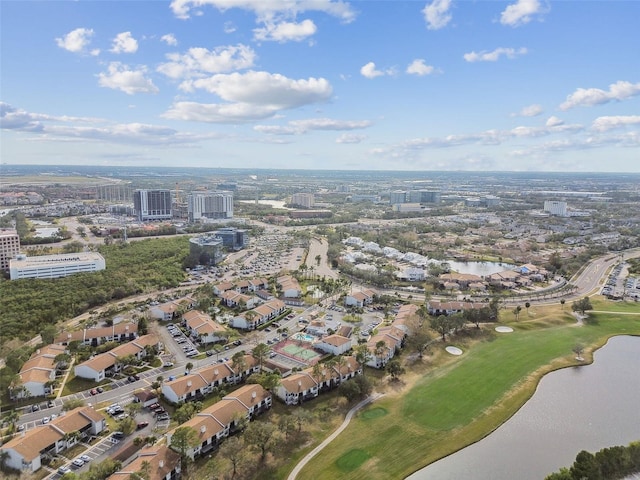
<point>479,268</point>
<point>581,408</point>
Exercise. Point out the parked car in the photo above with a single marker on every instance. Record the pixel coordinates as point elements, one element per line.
<point>117,435</point>
<point>141,425</point>
<point>100,389</point>
<point>50,404</point>
<point>168,364</point>
<point>45,420</point>
<point>63,470</point>
<point>78,462</point>
<point>93,391</point>
<point>85,458</point>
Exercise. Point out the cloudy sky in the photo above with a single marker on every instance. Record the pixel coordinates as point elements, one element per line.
<point>521,85</point>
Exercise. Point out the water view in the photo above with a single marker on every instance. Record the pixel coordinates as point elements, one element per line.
<point>479,268</point>
<point>581,408</point>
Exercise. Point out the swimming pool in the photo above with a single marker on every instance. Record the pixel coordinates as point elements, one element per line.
<point>304,337</point>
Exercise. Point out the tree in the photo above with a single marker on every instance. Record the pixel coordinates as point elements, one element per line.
<point>133,409</point>
<point>188,367</point>
<point>262,436</point>
<point>127,425</point>
<point>48,334</point>
<point>72,403</point>
<point>527,305</point>
<point>363,355</point>
<point>395,369</point>
<point>187,411</point>
<point>287,425</point>
<point>442,325</point>
<point>585,466</point>
<point>516,312</point>
<point>238,362</point>
<point>268,381</point>
<point>318,258</point>
<point>578,349</point>
<point>145,469</point>
<point>355,389</point>
<point>233,450</point>
<point>582,305</point>
<point>182,440</point>
<point>562,302</point>
<point>260,353</point>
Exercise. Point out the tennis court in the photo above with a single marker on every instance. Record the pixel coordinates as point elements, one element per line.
<point>295,350</point>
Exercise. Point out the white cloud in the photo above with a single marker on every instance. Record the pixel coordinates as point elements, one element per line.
<point>495,55</point>
<point>169,39</point>
<point>418,67</point>
<point>285,31</point>
<point>120,77</point>
<point>251,96</point>
<point>264,88</point>
<point>620,90</point>
<point>603,124</point>
<point>124,43</point>
<point>369,71</point>
<point>66,128</point>
<point>520,12</point>
<point>268,9</point>
<point>77,40</point>
<point>297,127</point>
<point>437,14</point>
<point>554,121</point>
<point>531,111</point>
<point>199,61</point>
<point>350,138</point>
<point>229,27</point>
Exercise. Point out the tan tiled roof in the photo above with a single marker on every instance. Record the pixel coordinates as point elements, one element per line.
<point>298,382</point>
<point>336,340</point>
<point>250,394</point>
<point>162,460</point>
<point>216,372</point>
<point>187,384</point>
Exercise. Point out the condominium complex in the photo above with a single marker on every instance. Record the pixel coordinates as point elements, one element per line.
<point>305,200</point>
<point>9,246</point>
<point>152,204</point>
<point>210,205</point>
<point>54,266</point>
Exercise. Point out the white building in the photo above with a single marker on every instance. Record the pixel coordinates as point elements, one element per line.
<point>9,246</point>
<point>210,205</point>
<point>305,200</point>
<point>54,266</point>
<point>556,208</point>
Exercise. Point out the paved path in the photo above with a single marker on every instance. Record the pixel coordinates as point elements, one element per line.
<point>330,438</point>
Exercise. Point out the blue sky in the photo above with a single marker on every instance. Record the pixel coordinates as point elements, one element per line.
<point>522,85</point>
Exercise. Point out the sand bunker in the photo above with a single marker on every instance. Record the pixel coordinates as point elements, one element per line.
<point>504,329</point>
<point>454,350</point>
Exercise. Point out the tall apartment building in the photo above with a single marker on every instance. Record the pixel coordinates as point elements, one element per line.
<point>9,246</point>
<point>305,200</point>
<point>210,205</point>
<point>556,208</point>
<point>152,205</point>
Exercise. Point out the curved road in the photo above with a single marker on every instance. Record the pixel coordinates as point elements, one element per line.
<point>301,464</point>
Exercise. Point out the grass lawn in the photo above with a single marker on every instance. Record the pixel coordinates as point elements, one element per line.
<point>459,400</point>
<point>75,384</point>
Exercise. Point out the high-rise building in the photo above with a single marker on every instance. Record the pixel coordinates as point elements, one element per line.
<point>207,249</point>
<point>9,246</point>
<point>423,196</point>
<point>152,204</point>
<point>305,200</point>
<point>556,208</point>
<point>397,196</point>
<point>212,205</point>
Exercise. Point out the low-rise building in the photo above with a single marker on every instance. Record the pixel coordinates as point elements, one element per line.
<point>55,266</point>
<point>260,315</point>
<point>118,332</point>
<point>157,462</point>
<point>26,451</point>
<point>203,328</point>
<point>334,344</point>
<point>359,299</point>
<point>289,286</point>
<point>38,373</point>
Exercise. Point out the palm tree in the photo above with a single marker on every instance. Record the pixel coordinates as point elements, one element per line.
<point>260,353</point>
<point>188,367</point>
<point>379,349</point>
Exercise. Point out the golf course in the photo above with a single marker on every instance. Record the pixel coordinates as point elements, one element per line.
<point>449,402</point>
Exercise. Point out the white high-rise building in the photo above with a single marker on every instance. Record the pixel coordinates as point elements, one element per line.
<point>305,200</point>
<point>9,246</point>
<point>210,205</point>
<point>556,208</point>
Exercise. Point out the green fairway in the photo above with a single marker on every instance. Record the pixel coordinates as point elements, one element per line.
<point>462,400</point>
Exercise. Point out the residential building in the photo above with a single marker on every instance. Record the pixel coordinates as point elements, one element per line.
<point>289,286</point>
<point>305,200</point>
<point>232,298</point>
<point>334,344</point>
<point>118,332</point>
<point>9,246</point>
<point>202,328</point>
<point>101,366</point>
<point>436,308</point>
<point>252,319</point>
<point>55,266</point>
<point>158,462</point>
<point>215,423</point>
<point>38,373</point>
<point>26,451</point>
<point>205,206</point>
<point>171,310</point>
<point>152,205</point>
<point>397,196</point>
<point>359,299</point>
<point>423,196</point>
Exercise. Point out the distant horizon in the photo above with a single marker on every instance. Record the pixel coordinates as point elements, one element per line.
<point>405,85</point>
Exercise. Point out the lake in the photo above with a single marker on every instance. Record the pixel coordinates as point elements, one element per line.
<point>580,408</point>
<point>479,268</point>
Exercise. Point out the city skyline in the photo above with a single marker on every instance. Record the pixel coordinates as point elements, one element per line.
<point>523,85</point>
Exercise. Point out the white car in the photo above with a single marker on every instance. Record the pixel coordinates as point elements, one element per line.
<point>45,420</point>
<point>85,458</point>
<point>78,462</point>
